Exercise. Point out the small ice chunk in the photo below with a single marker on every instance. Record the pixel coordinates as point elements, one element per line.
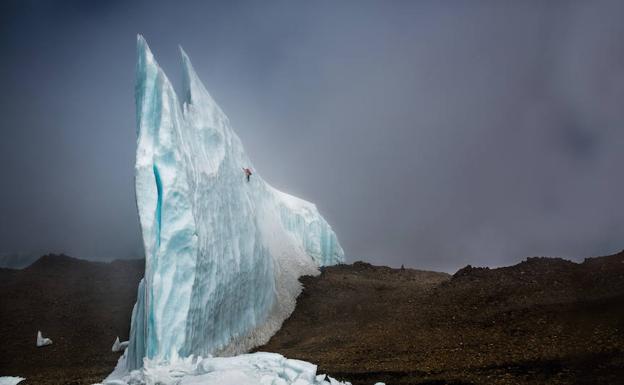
<point>41,341</point>
<point>11,380</point>
<point>119,346</point>
<point>116,345</point>
<point>321,377</point>
<point>333,381</point>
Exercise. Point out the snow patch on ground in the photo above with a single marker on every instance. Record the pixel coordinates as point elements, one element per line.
<point>11,380</point>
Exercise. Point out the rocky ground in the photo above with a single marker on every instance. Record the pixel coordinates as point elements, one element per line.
<point>82,306</point>
<point>543,321</point>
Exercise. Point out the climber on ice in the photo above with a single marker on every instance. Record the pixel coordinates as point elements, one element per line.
<point>247,173</point>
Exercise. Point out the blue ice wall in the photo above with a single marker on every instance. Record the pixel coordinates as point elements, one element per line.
<point>223,255</point>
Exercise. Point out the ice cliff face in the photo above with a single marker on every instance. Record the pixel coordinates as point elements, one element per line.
<point>223,255</point>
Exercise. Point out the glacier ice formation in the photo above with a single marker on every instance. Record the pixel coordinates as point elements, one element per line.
<point>223,255</point>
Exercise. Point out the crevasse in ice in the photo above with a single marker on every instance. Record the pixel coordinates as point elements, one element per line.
<point>223,255</point>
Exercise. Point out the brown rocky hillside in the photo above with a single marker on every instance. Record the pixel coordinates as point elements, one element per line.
<point>543,321</point>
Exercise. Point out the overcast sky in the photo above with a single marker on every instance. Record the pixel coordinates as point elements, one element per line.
<point>431,134</point>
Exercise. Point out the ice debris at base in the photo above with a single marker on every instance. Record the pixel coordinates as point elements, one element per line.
<point>222,255</point>
<point>246,369</point>
<point>41,341</point>
<point>7,380</point>
<point>119,346</point>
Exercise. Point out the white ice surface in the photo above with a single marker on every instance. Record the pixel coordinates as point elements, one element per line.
<point>223,255</point>
<point>245,369</point>
<point>7,380</point>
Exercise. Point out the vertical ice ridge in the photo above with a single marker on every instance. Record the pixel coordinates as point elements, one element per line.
<point>165,212</point>
<point>223,255</point>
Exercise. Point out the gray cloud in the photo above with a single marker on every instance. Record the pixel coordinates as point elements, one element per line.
<point>431,135</point>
